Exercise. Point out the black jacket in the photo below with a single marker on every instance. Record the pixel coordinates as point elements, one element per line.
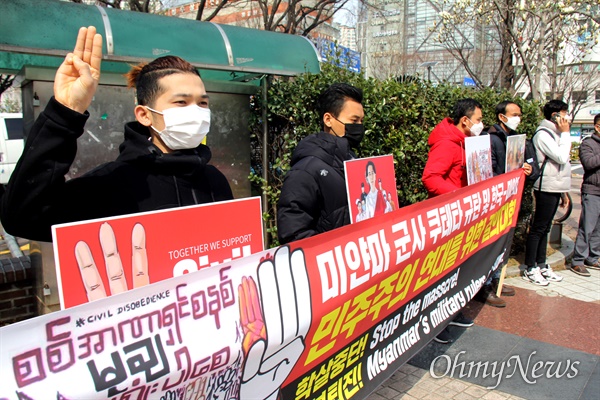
<point>498,139</point>
<point>313,197</point>
<point>142,178</point>
<point>589,154</point>
<point>498,148</point>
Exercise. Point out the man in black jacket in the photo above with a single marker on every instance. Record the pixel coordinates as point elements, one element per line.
<point>313,197</point>
<point>508,116</point>
<point>587,244</point>
<point>161,163</point>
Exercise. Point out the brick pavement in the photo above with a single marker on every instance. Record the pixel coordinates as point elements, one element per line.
<point>538,320</point>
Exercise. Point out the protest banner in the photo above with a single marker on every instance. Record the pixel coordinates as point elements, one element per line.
<point>370,186</point>
<point>328,317</point>
<point>100,257</point>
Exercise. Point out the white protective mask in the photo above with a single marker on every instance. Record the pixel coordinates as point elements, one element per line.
<point>185,127</point>
<point>476,129</point>
<point>512,122</point>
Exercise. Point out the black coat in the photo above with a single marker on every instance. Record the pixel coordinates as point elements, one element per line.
<point>313,197</point>
<point>498,148</point>
<point>142,178</point>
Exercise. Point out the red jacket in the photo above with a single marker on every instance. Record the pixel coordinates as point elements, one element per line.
<point>445,170</point>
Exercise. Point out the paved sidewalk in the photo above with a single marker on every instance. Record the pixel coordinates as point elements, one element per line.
<point>557,325</point>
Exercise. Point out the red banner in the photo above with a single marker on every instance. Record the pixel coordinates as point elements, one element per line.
<point>97,258</point>
<point>329,317</point>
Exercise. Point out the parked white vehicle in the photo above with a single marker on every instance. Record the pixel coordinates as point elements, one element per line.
<point>11,143</point>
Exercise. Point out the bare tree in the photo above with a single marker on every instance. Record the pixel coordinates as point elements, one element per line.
<point>532,35</point>
<point>6,81</point>
<point>478,40</point>
<point>133,5</point>
<point>573,82</point>
<point>298,17</point>
<point>212,11</point>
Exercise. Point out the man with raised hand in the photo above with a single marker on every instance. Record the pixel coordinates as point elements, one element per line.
<point>162,163</point>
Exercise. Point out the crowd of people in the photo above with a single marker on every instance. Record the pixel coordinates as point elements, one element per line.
<point>162,163</point>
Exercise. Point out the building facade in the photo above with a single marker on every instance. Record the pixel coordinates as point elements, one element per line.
<point>403,38</point>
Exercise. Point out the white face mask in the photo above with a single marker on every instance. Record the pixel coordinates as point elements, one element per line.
<point>512,123</point>
<point>476,129</point>
<point>185,127</point>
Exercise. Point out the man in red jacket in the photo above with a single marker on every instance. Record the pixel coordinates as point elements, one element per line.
<point>446,168</point>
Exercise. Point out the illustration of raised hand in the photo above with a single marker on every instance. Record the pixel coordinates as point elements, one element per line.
<point>275,320</point>
<point>88,268</point>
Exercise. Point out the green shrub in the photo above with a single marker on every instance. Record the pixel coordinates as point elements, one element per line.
<point>398,119</point>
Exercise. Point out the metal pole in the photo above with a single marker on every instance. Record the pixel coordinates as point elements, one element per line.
<point>265,157</point>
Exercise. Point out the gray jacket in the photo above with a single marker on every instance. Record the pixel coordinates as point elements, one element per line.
<point>556,147</point>
<point>589,154</point>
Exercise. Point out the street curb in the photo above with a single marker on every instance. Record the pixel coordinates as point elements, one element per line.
<point>556,260</point>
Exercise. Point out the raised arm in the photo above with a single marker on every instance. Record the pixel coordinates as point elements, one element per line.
<point>36,195</point>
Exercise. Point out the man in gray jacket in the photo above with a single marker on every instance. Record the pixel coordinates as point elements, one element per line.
<point>552,141</point>
<point>587,244</point>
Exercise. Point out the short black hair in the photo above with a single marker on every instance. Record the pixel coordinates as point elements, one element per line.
<point>145,77</point>
<point>372,164</point>
<point>554,106</point>
<point>501,108</point>
<point>597,119</point>
<point>333,98</point>
<point>464,107</point>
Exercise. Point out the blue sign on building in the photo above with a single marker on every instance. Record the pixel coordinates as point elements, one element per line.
<point>338,55</point>
<point>468,81</point>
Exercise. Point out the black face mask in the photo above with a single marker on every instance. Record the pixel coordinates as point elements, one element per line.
<point>354,134</point>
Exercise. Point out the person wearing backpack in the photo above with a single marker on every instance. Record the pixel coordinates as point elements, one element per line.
<point>508,117</point>
<point>552,141</point>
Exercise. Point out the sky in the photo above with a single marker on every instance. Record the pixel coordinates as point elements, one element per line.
<point>347,16</point>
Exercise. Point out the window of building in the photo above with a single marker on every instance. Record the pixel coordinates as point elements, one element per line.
<point>14,128</point>
<point>579,96</point>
